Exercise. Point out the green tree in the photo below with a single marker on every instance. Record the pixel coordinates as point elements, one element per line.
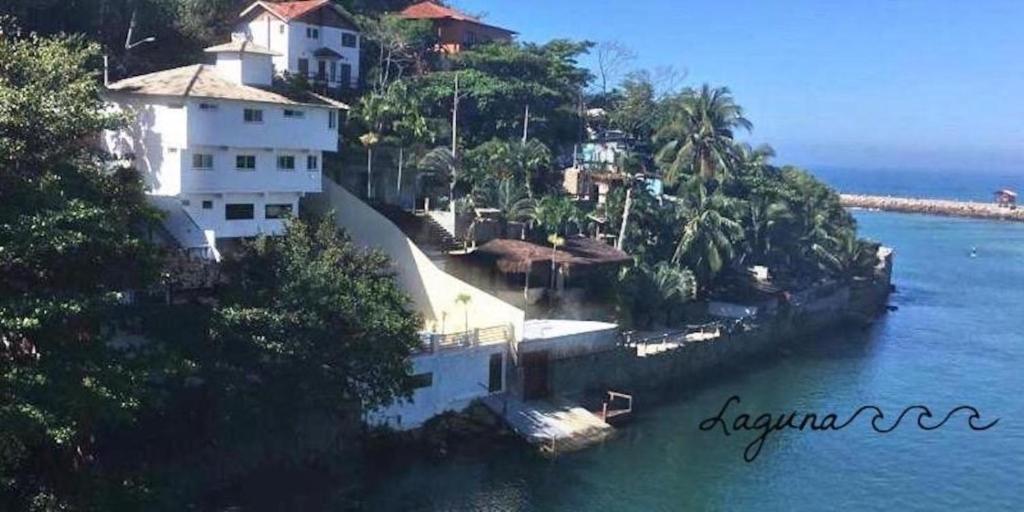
<point>69,247</point>
<point>709,234</point>
<point>311,323</point>
<point>507,197</point>
<point>698,138</point>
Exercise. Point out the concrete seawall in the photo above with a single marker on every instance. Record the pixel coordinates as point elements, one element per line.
<point>933,207</point>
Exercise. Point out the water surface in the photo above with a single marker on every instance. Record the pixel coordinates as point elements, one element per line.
<point>956,339</point>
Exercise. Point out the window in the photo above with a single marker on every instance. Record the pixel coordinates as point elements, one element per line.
<point>348,40</point>
<point>346,75</point>
<point>295,114</point>
<point>207,106</point>
<point>312,163</point>
<point>334,71</point>
<point>202,161</point>
<point>286,162</point>
<point>245,162</point>
<point>332,119</point>
<point>207,205</point>
<point>422,380</point>
<point>277,211</point>
<point>312,33</point>
<point>253,115</point>
<point>238,211</point>
<point>280,29</point>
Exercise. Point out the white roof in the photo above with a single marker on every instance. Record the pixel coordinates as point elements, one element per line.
<point>541,329</point>
<point>202,81</point>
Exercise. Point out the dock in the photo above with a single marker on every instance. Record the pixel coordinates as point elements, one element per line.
<point>969,209</point>
<point>554,426</point>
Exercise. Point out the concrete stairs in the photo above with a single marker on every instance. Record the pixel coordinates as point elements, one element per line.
<point>421,228</point>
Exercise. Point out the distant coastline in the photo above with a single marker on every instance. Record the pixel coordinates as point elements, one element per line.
<point>970,209</point>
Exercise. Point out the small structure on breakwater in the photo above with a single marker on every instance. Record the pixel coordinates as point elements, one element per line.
<point>1006,198</point>
<point>947,207</point>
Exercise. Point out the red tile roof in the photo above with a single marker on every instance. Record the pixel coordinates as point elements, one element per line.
<point>292,10</point>
<point>433,10</point>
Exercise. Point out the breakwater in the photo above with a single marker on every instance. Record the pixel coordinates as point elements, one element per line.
<point>932,207</point>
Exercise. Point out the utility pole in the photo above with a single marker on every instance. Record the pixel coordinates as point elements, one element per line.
<point>526,123</point>
<point>455,138</point>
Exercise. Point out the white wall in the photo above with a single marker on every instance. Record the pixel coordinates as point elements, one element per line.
<point>459,377</point>
<point>154,140</point>
<point>245,68</point>
<point>432,291</point>
<point>214,217</point>
<point>225,177</point>
<point>226,126</point>
<point>302,47</point>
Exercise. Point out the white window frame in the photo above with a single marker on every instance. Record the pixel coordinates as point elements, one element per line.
<point>205,161</point>
<point>312,163</point>
<point>245,169</point>
<point>256,115</point>
<point>285,158</point>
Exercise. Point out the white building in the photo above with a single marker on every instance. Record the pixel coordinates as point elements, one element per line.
<point>313,38</point>
<point>235,152</point>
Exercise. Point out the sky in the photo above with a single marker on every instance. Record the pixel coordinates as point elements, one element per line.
<point>897,84</point>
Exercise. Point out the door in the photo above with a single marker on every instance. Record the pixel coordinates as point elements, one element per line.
<point>304,67</point>
<point>321,70</point>
<point>346,75</point>
<point>535,375</point>
<point>494,375</point>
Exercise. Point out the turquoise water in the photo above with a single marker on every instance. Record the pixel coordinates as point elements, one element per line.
<point>957,338</point>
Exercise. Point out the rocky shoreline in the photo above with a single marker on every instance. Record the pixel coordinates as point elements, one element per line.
<point>932,207</point>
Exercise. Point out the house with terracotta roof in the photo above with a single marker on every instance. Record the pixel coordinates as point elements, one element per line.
<point>313,38</point>
<point>222,151</point>
<point>456,30</point>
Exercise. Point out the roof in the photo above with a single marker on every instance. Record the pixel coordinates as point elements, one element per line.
<point>288,11</point>
<point>1006,192</point>
<point>327,52</point>
<point>202,81</point>
<point>242,46</point>
<point>434,11</point>
<point>518,256</point>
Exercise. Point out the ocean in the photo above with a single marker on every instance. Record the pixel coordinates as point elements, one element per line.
<point>957,338</point>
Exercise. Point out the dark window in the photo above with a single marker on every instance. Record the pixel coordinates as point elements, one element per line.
<point>245,162</point>
<point>286,162</point>
<point>202,161</point>
<point>207,205</point>
<point>422,380</point>
<point>312,33</point>
<point>332,119</point>
<point>494,379</point>
<point>296,114</point>
<point>207,106</point>
<point>312,163</point>
<point>253,115</point>
<point>346,75</point>
<point>277,211</point>
<point>348,40</point>
<point>334,71</point>
<point>321,70</point>
<point>304,67</point>
<point>239,211</point>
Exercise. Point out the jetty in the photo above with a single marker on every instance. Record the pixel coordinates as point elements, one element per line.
<point>554,426</point>
<point>971,209</point>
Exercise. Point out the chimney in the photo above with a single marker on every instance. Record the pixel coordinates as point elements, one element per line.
<point>242,62</point>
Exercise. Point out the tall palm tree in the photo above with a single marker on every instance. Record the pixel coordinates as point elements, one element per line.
<point>527,159</point>
<point>709,234</point>
<point>444,164</point>
<point>408,124</point>
<point>508,198</point>
<point>765,218</point>
<point>698,140</point>
<point>556,214</point>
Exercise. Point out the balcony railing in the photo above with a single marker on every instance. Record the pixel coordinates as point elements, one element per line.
<point>433,342</point>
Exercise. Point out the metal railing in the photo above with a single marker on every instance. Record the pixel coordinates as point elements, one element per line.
<point>432,342</point>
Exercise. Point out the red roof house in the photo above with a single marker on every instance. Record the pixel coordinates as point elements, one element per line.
<point>455,30</point>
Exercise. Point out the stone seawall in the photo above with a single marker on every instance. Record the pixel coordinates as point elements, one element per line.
<point>933,207</point>
<point>622,369</point>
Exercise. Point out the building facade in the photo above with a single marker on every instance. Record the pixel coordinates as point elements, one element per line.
<point>312,38</point>
<point>235,152</point>
<point>456,30</point>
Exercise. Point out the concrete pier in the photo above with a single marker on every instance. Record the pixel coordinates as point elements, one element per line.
<point>933,207</point>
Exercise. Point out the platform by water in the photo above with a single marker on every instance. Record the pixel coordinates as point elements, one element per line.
<point>970,209</point>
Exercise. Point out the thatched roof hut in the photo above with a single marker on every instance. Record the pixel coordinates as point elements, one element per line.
<point>518,256</point>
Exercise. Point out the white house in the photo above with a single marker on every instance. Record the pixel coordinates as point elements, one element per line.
<point>233,150</point>
<point>313,38</point>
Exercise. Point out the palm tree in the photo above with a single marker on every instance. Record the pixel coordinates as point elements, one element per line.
<point>699,138</point>
<point>556,242</point>
<point>766,217</point>
<point>375,109</point>
<point>443,163</point>
<point>709,232</point>
<point>409,124</point>
<point>508,198</point>
<point>527,159</point>
<point>848,257</point>
<point>464,299</point>
<point>556,214</point>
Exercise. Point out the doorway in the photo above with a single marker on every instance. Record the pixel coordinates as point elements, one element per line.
<point>535,374</point>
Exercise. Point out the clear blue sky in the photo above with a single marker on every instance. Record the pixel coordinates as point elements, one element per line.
<point>861,83</point>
